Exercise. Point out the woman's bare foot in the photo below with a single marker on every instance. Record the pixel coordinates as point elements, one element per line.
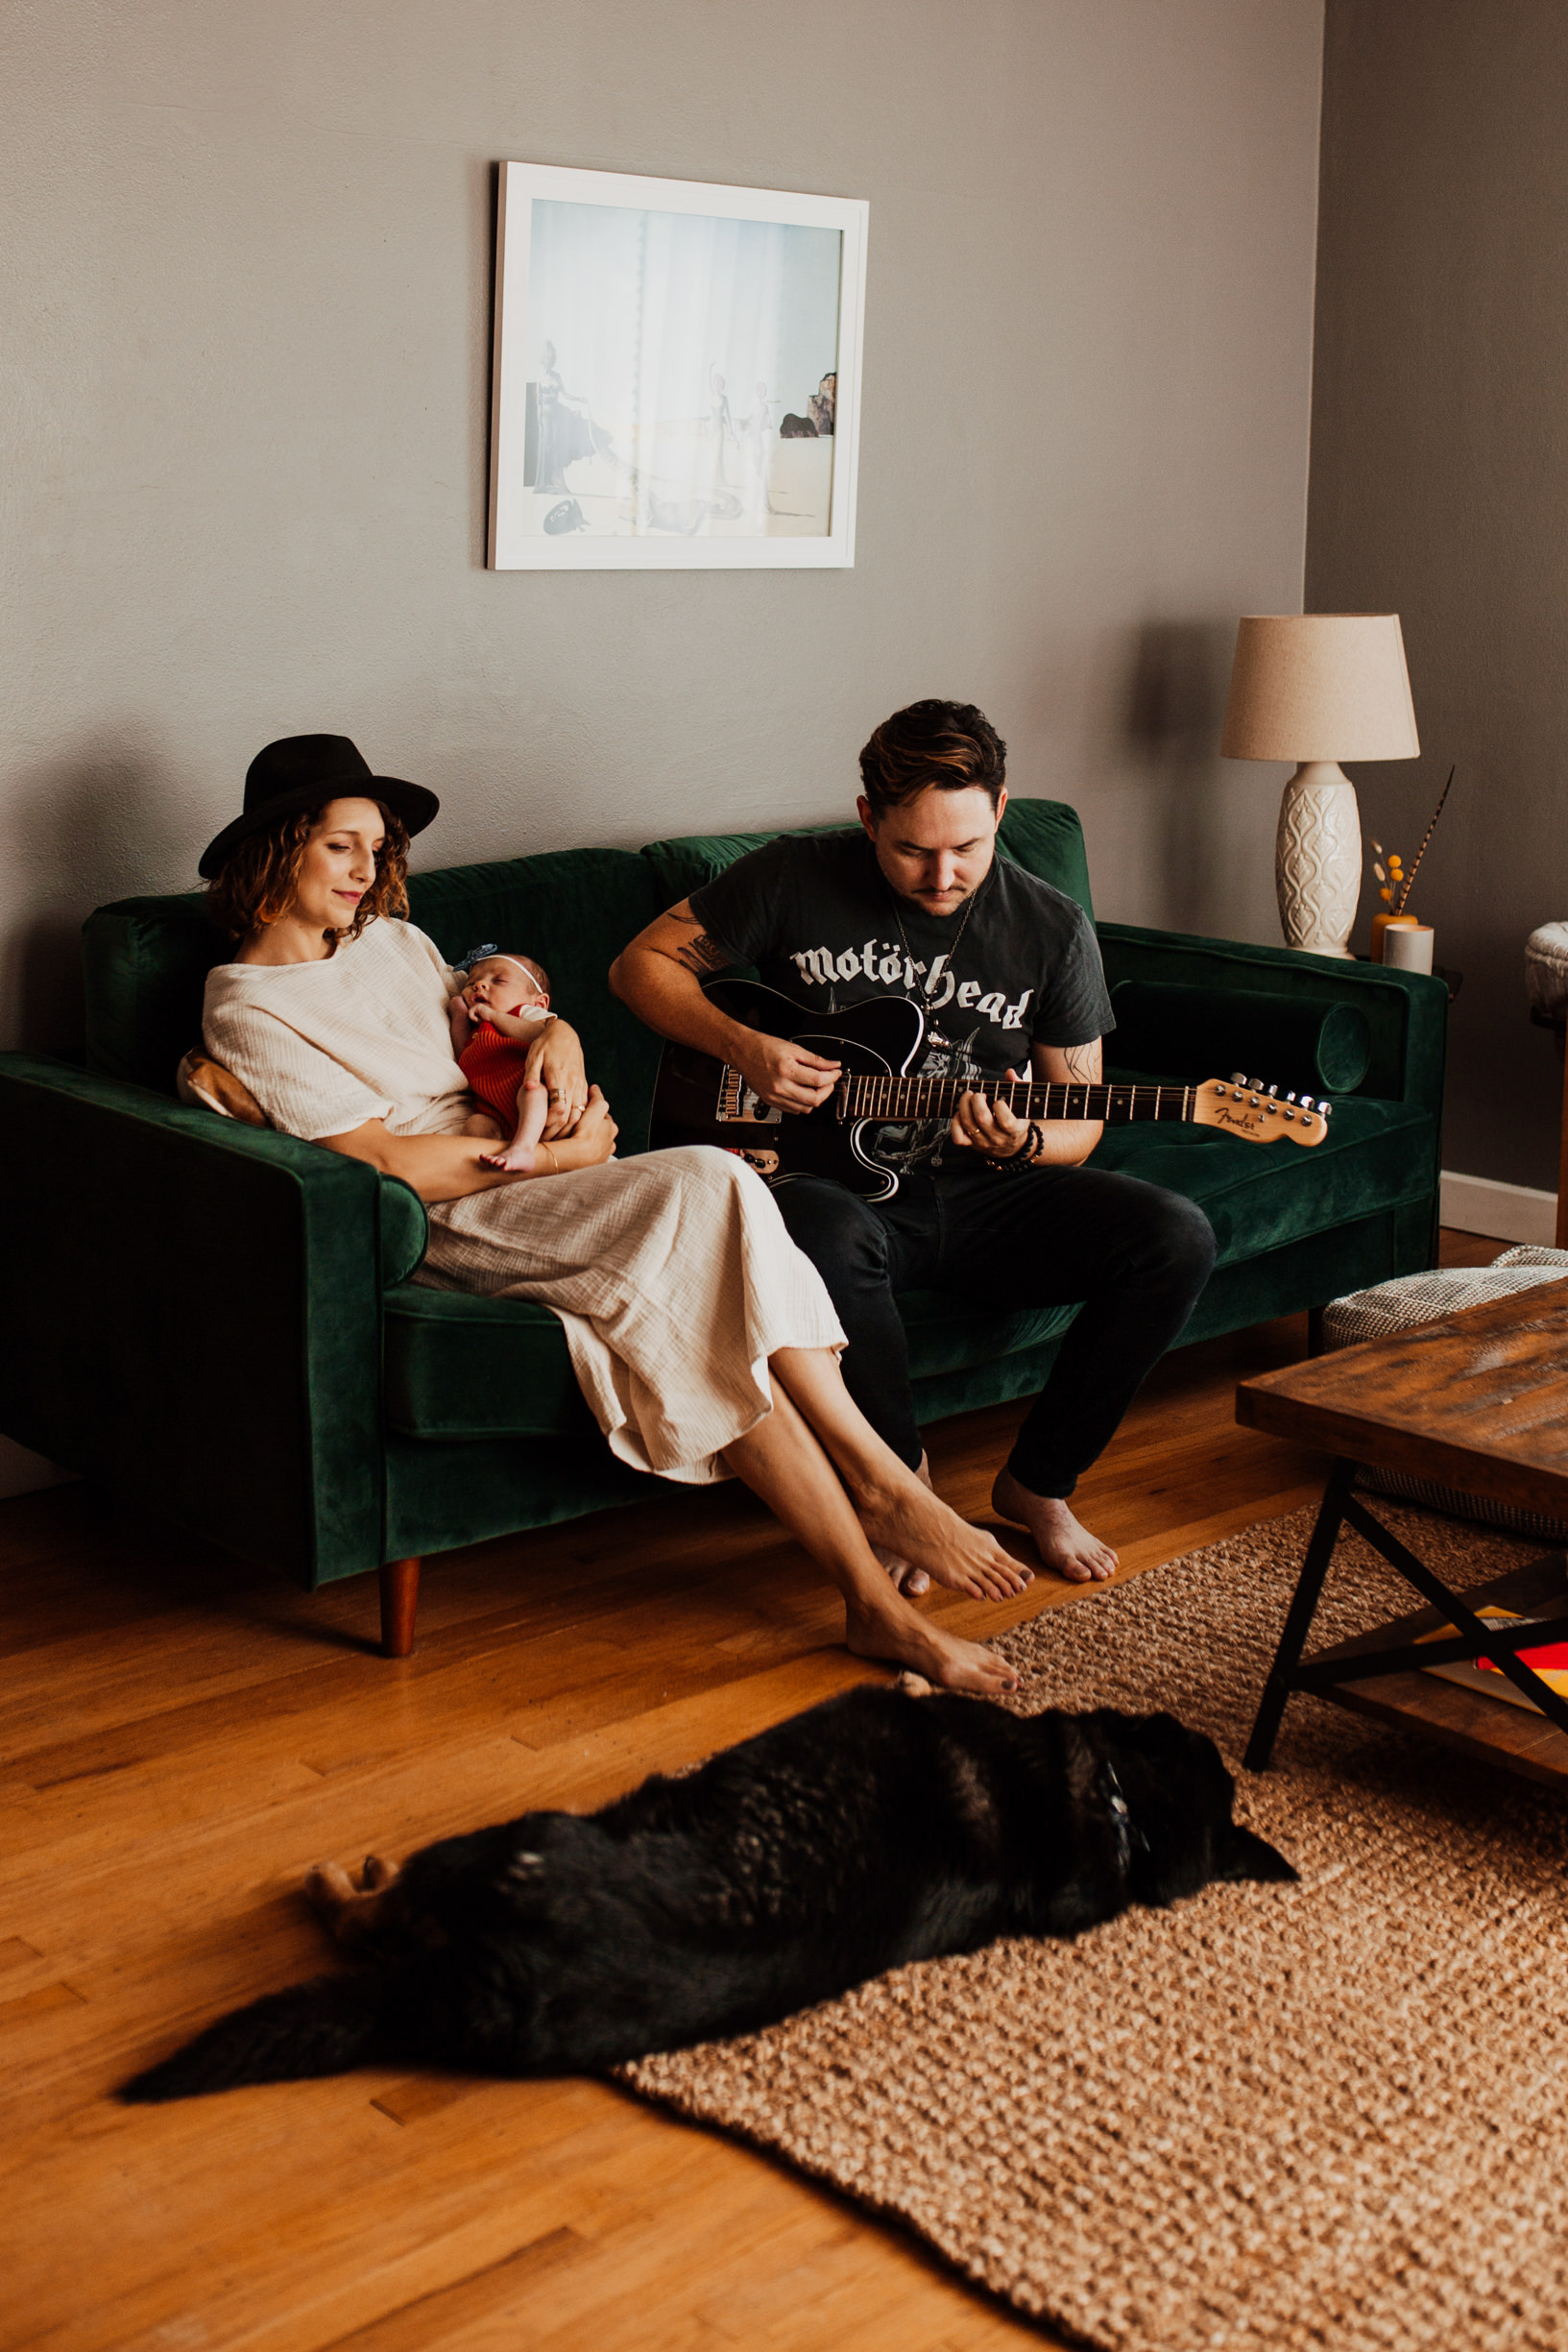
<point>899,1636</point>
<point>1064,1546</point>
<point>916,1525</point>
<point>518,1159</point>
<point>906,1577</point>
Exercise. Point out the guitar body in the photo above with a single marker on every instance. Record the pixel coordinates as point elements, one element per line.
<point>699,1099</point>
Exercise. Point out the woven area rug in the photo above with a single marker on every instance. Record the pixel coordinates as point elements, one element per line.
<point>1332,2114</point>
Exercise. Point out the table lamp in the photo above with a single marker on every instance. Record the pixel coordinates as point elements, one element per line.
<point>1320,687</point>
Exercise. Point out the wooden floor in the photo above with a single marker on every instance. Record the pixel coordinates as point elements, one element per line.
<point>181,1739</point>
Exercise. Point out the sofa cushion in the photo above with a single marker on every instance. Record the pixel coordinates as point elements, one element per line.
<point>459,1367</point>
<point>456,1367</point>
<point>1041,835</point>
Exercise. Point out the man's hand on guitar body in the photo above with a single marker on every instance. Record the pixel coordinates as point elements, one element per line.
<point>785,1075</point>
<point>661,976</point>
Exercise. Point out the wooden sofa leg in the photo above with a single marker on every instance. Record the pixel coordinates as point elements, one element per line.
<point>399,1599</point>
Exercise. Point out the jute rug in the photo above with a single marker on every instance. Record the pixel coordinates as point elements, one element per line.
<point>1332,2114</point>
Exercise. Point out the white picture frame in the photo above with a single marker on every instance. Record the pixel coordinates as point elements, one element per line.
<point>656,397</point>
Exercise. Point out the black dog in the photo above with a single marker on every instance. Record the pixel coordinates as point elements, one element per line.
<point>876,1829</point>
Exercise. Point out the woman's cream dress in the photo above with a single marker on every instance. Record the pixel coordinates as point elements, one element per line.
<point>671,1272</point>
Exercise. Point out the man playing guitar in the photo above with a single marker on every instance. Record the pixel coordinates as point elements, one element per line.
<point>988,1205</point>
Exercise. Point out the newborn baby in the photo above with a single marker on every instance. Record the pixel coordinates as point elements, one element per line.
<point>495,1016</point>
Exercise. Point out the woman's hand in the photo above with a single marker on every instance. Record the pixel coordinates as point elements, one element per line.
<point>555,1062</point>
<point>595,1131</point>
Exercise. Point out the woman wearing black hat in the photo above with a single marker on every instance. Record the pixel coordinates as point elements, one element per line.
<point>703,1340</point>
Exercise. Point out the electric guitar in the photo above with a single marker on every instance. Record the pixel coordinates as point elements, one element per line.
<point>699,1099</point>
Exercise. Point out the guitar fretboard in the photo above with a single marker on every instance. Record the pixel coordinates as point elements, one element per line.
<point>866,1097</point>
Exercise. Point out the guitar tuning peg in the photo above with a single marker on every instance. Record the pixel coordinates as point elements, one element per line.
<point>1290,1098</point>
<point>1237,1077</point>
<point>1272,1091</point>
<point>1256,1084</point>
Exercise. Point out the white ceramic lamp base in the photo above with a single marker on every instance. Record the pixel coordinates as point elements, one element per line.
<point>1318,859</point>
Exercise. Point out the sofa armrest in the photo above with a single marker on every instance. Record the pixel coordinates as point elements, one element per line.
<point>190,1312</point>
<point>1406,1012</point>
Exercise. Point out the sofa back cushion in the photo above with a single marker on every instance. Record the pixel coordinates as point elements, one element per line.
<point>146,962</point>
<point>1043,836</point>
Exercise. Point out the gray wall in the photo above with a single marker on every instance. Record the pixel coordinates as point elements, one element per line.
<point>1440,488</point>
<point>245,282</point>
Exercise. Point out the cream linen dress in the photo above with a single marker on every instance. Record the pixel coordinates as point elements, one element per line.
<point>671,1272</point>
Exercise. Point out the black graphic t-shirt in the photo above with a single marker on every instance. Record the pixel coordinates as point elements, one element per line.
<point>1016,966</point>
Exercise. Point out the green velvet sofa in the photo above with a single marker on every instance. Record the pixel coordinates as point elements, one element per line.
<point>218,1323</point>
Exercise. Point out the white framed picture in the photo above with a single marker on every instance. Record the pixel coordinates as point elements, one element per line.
<point>677,374</point>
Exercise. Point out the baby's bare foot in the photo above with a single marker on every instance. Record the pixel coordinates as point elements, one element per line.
<point>518,1159</point>
<point>917,1526</point>
<point>1066,1547</point>
<point>902,1637</point>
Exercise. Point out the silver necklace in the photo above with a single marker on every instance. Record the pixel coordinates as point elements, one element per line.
<point>929,989</point>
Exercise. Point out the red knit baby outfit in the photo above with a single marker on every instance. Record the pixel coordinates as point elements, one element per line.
<point>494,1066</point>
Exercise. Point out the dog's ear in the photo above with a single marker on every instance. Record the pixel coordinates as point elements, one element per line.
<point>1244,1855</point>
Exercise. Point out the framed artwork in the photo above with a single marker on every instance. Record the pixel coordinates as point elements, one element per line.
<point>677,374</point>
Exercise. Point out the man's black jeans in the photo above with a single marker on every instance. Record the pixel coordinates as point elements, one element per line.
<point>1137,1256</point>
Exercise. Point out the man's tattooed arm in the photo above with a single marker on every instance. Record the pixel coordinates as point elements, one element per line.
<point>699,955</point>
<point>1084,1063</point>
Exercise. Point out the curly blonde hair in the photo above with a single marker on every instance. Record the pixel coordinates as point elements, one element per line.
<point>257,882</point>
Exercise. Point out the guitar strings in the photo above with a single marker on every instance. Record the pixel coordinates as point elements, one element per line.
<point>878,1097</point>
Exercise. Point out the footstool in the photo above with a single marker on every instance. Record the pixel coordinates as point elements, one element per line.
<point>1411,1299</point>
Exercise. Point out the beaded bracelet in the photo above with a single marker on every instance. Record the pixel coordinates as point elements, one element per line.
<point>1027,1153</point>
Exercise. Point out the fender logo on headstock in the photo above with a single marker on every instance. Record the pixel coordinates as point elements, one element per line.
<point>1258,1115</point>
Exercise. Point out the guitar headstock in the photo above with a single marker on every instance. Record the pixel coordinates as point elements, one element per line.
<point>1258,1113</point>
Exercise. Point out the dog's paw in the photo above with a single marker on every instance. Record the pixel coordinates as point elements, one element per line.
<point>329,1887</point>
<point>377,1874</point>
<point>913,1686</point>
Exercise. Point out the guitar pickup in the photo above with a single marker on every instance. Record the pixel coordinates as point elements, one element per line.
<point>739,1104</point>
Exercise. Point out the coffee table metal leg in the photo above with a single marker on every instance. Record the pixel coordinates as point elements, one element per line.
<point>1299,1615</point>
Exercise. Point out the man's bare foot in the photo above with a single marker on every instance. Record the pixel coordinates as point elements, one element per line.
<point>901,1636</point>
<point>916,1525</point>
<point>906,1577</point>
<point>1064,1546</point>
<point>518,1159</point>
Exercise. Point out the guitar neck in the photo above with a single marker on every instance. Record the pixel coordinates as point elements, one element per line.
<point>897,1099</point>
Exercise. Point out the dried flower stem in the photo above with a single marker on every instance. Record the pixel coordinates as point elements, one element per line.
<point>1425,838</point>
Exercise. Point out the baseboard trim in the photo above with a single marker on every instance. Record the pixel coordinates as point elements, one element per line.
<point>1506,1212</point>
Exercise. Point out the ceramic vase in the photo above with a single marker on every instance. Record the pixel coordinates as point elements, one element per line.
<point>1318,859</point>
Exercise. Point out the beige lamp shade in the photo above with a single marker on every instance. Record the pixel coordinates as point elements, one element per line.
<point>1320,686</point>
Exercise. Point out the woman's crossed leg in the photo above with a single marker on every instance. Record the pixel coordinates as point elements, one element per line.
<point>821,1470</point>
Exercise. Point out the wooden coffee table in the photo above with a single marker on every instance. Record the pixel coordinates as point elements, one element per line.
<point>1478,1401</point>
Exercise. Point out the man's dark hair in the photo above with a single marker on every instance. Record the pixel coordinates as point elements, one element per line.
<point>950,744</point>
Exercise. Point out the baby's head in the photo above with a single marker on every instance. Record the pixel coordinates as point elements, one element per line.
<point>506,982</point>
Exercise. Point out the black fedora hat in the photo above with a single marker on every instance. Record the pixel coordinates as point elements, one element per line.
<point>300,772</point>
